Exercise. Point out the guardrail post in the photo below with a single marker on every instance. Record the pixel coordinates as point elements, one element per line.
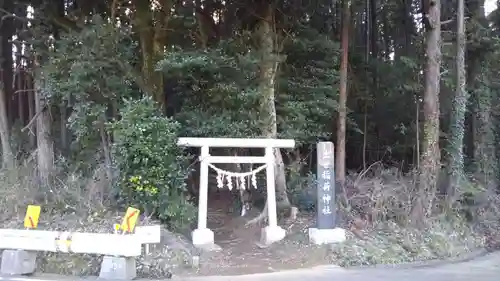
<point>18,262</point>
<point>118,268</point>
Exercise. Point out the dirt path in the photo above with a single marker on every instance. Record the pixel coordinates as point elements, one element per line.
<point>239,253</point>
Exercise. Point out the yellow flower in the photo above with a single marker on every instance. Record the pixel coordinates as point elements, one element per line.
<point>134,179</point>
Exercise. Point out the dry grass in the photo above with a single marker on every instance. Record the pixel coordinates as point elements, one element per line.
<point>71,193</point>
<point>73,203</point>
<point>377,204</point>
<point>392,244</point>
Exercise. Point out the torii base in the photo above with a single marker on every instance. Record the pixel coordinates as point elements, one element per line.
<point>204,239</point>
<point>271,234</point>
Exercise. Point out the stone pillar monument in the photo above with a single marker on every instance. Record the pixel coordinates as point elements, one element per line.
<point>326,231</point>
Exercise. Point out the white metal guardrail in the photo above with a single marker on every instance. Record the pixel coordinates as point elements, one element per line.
<point>68,242</point>
<point>119,250</point>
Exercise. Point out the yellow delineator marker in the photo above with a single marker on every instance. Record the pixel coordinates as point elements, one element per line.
<point>130,220</point>
<point>32,216</point>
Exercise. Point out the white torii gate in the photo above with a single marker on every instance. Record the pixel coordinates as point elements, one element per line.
<point>202,236</point>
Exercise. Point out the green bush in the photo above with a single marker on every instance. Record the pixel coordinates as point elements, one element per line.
<point>152,166</point>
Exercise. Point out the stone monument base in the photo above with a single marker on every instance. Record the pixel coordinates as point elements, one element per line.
<point>326,236</point>
<point>18,262</point>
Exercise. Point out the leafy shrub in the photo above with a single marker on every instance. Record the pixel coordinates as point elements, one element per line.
<point>152,166</point>
<point>301,190</point>
<point>87,72</point>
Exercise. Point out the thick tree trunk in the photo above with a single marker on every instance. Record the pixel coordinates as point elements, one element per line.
<point>430,158</point>
<point>151,27</point>
<point>268,68</point>
<point>7,155</point>
<point>459,107</point>
<point>6,31</point>
<point>45,146</point>
<point>342,110</point>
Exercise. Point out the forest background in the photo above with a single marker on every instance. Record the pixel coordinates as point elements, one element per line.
<point>95,94</point>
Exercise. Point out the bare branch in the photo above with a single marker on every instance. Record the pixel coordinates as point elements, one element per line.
<point>34,119</point>
<point>8,14</point>
<point>23,91</point>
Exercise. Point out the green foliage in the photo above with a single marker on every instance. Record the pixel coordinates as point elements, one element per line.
<point>152,166</point>
<point>308,91</point>
<point>89,72</point>
<point>219,88</point>
<point>302,190</point>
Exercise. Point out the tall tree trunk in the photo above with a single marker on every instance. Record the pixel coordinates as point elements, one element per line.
<point>386,36</point>
<point>342,111</point>
<point>45,146</point>
<point>7,155</point>
<point>374,59</point>
<point>484,162</point>
<point>63,108</point>
<point>151,27</point>
<point>367,77</point>
<point>459,107</point>
<point>6,31</point>
<point>268,68</point>
<point>430,158</point>
<point>269,62</point>
<point>374,35</point>
<point>337,30</point>
<point>105,145</point>
<point>405,28</point>
<point>409,27</point>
